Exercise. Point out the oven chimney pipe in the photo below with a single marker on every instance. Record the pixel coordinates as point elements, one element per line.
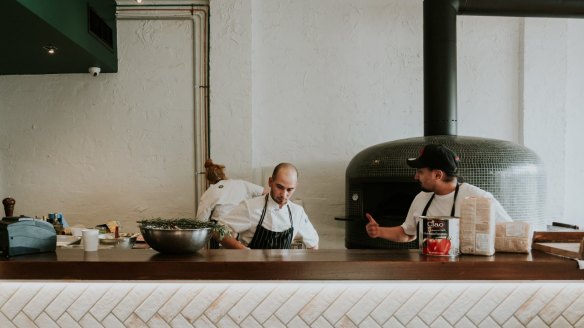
<point>440,116</point>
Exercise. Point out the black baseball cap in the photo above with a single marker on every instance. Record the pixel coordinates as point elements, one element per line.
<point>436,157</point>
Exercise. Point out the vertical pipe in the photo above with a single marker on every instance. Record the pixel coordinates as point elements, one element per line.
<point>439,68</point>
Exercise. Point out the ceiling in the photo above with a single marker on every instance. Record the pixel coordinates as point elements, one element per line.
<point>28,27</point>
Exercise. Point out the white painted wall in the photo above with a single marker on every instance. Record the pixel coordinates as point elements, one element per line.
<point>117,146</point>
<point>310,82</point>
<point>330,78</point>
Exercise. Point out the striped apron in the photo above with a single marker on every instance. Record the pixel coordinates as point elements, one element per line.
<point>267,239</point>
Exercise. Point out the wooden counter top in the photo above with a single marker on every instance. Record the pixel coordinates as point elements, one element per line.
<point>145,264</point>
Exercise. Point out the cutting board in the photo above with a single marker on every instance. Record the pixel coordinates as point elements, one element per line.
<point>567,244</point>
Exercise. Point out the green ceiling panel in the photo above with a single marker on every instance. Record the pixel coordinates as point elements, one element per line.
<point>27,26</point>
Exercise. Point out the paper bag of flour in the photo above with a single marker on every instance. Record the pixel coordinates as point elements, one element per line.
<point>477,226</point>
<point>513,237</point>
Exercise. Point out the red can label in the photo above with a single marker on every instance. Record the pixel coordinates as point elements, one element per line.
<point>439,235</point>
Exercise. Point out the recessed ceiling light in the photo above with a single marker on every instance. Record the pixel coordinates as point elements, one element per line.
<point>139,1</point>
<point>51,50</point>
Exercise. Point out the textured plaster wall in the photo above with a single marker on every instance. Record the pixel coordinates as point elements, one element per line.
<point>116,146</point>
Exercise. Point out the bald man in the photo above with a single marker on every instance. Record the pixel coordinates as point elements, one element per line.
<point>271,221</point>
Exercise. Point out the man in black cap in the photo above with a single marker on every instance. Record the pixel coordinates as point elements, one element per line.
<point>441,195</point>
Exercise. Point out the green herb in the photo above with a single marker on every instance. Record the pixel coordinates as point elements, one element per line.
<point>184,223</point>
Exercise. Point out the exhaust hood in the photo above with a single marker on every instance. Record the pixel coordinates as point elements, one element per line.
<point>80,33</point>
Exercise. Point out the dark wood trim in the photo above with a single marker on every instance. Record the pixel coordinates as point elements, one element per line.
<point>143,264</point>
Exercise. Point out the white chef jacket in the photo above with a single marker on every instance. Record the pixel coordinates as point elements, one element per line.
<point>442,206</point>
<point>223,196</point>
<point>244,219</point>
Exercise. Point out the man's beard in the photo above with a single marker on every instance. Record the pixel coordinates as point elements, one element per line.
<point>280,201</point>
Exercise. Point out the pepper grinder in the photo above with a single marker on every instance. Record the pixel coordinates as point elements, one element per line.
<point>8,206</point>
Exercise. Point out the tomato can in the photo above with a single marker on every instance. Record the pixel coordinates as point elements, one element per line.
<point>439,235</point>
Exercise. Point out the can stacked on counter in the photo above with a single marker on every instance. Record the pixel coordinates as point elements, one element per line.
<point>439,235</point>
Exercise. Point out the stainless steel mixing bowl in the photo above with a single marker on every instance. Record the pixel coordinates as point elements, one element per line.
<point>176,241</point>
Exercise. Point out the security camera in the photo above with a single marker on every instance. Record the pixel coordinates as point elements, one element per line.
<point>94,71</point>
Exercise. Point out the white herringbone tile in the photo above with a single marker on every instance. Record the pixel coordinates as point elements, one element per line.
<point>130,302</point>
<point>345,322</point>
<point>273,302</point>
<point>439,323</point>
<point>134,321</point>
<point>471,295</point>
<point>574,312</point>
<point>225,302</point>
<point>86,301</point>
<point>531,308</point>
<point>398,295</point>
<point>6,293</point>
<point>202,301</point>
<point>561,302</point>
<point>203,322</point>
<point>226,322</point>
<point>111,321</point>
<point>560,322</point>
<point>465,322</point>
<point>297,322</point>
<point>368,322</point>
<point>392,323</point>
<point>321,322</point>
<point>352,304</point>
<point>440,302</point>
<point>417,323</point>
<point>319,303</point>
<point>155,301</point>
<point>157,321</point>
<point>363,308</point>
<point>88,321</point>
<point>274,322</point>
<point>110,299</point>
<point>21,320</point>
<point>244,307</point>
<point>488,323</point>
<point>63,301</point>
<point>65,320</point>
<point>41,300</point>
<point>250,322</point>
<point>297,301</point>
<point>20,299</point>
<point>536,322</point>
<point>42,320</point>
<point>344,303</point>
<point>489,302</point>
<point>512,323</point>
<point>416,302</point>
<point>180,322</point>
<point>178,301</point>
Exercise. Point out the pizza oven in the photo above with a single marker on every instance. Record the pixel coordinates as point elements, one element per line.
<point>378,180</point>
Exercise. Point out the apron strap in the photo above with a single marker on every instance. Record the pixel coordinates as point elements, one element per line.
<point>453,202</point>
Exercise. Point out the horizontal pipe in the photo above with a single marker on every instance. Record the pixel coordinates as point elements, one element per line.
<point>522,8</point>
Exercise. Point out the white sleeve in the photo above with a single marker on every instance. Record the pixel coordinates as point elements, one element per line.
<point>307,232</point>
<point>416,209</point>
<point>238,219</point>
<point>253,189</point>
<point>205,207</point>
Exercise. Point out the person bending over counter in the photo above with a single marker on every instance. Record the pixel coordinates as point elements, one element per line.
<point>441,194</point>
<point>271,221</point>
<point>223,194</point>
